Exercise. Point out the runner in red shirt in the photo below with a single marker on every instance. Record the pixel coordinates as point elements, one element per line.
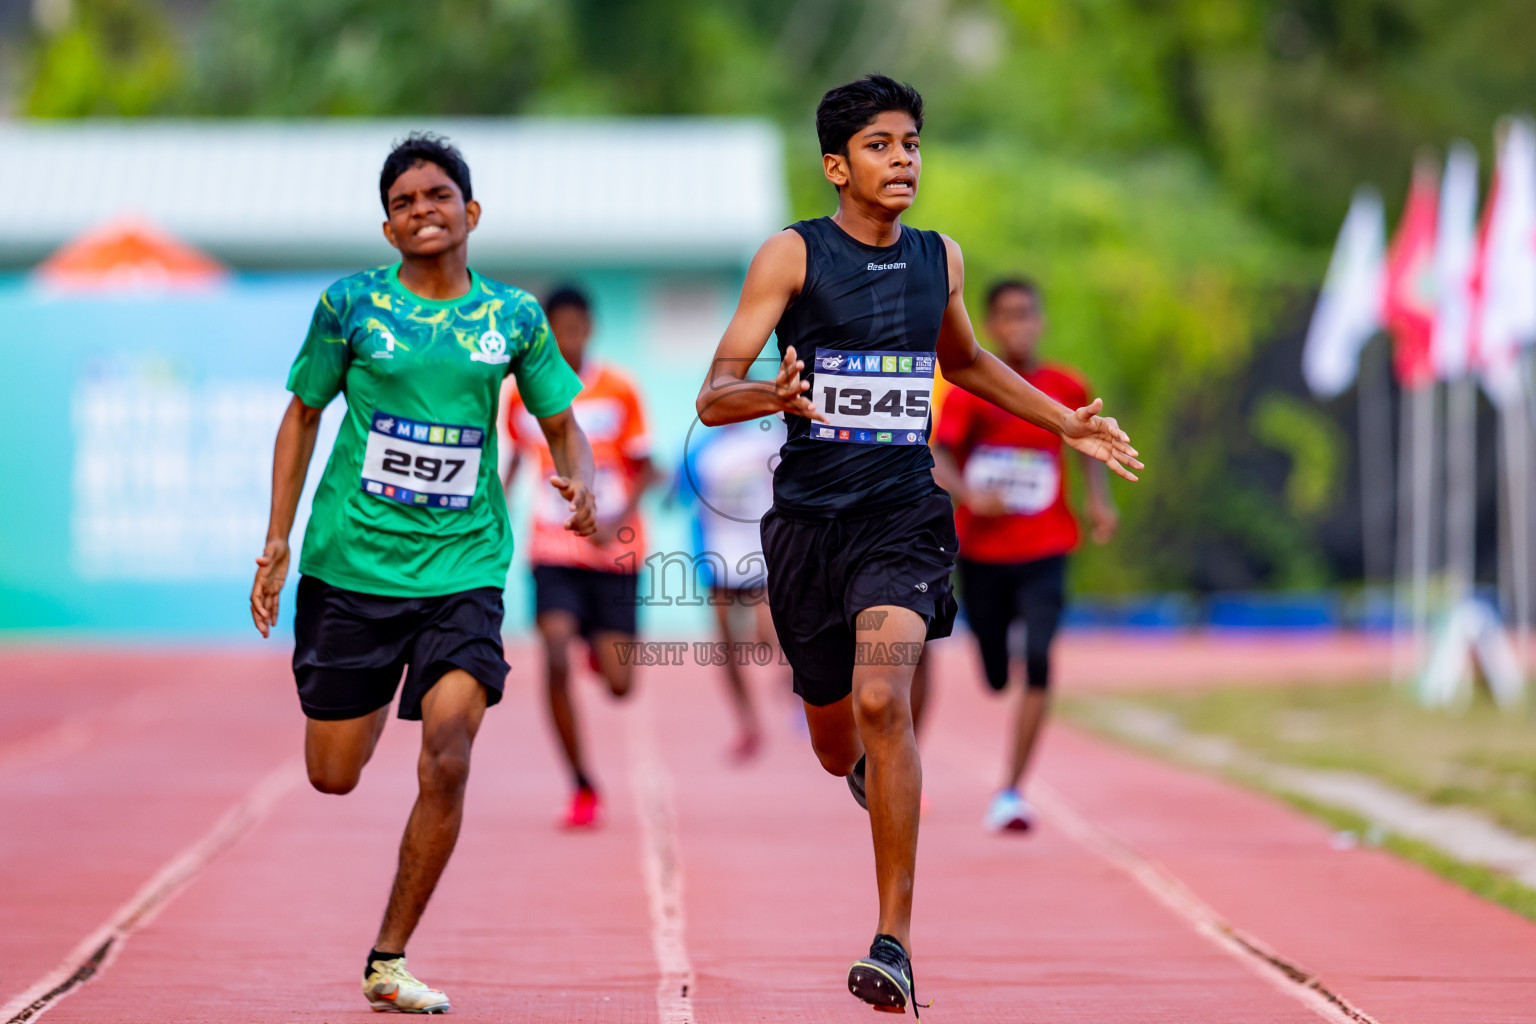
<point>1015,525</point>
<point>585,586</point>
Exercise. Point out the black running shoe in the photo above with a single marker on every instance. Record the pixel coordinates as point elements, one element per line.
<point>884,978</point>
<point>856,784</point>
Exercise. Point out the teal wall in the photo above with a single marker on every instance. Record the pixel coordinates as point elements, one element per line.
<point>139,436</point>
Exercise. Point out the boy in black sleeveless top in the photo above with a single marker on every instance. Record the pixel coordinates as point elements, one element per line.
<point>860,541</point>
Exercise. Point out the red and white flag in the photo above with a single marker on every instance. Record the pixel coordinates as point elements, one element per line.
<point>1349,308</point>
<point>1410,293</point>
<point>1455,249</point>
<point>1504,275</point>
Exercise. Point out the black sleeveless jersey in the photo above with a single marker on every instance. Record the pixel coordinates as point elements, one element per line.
<point>862,309</point>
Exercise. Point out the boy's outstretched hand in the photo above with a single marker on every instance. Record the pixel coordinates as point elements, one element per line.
<point>583,518</point>
<point>791,389</point>
<point>1100,437</point>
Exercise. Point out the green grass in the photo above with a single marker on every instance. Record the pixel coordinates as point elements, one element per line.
<point>1479,757</point>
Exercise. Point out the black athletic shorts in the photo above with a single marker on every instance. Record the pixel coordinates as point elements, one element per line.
<point>822,572</point>
<point>350,647</point>
<point>998,594</point>
<point>602,602</point>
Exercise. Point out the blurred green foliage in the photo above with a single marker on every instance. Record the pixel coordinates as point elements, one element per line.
<point>113,57</point>
<point>1173,171</point>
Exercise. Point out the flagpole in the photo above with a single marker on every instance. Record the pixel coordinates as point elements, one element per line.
<point>1514,425</point>
<point>1460,488</point>
<point>1426,430</point>
<point>1374,408</point>
<point>1407,536</point>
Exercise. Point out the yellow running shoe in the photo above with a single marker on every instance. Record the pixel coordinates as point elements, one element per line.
<point>391,988</point>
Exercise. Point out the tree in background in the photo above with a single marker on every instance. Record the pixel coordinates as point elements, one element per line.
<point>1172,172</point>
<point>101,58</point>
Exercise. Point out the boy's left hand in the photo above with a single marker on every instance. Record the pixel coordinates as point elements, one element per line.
<point>1100,437</point>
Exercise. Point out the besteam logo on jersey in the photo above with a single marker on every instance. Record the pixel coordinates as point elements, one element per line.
<point>493,348</point>
<point>887,266</point>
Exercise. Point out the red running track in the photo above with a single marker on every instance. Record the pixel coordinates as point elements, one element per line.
<point>1143,897</point>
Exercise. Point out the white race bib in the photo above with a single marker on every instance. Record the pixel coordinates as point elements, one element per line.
<point>872,397</point>
<point>431,465</point>
<point>1028,479</point>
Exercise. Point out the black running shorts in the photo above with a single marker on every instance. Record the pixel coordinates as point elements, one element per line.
<point>601,602</point>
<point>823,571</point>
<point>996,595</point>
<point>350,648</point>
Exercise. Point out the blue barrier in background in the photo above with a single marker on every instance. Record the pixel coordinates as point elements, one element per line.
<point>139,433</point>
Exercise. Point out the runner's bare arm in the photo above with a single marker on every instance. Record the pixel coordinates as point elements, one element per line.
<point>773,280</point>
<point>969,366</point>
<point>573,469</point>
<point>290,464</point>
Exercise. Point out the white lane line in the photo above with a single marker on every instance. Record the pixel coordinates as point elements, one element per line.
<point>83,729</point>
<point>96,951</point>
<point>661,866</point>
<point>1282,974</point>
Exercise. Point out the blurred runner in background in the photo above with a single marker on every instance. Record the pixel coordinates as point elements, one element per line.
<point>585,586</point>
<point>1016,527</point>
<point>727,479</point>
<point>406,551</point>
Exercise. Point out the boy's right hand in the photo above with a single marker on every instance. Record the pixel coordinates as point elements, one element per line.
<point>791,389</point>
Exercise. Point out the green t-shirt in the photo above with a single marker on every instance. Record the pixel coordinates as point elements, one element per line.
<point>410,504</point>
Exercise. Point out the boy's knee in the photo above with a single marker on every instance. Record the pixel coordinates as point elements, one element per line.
<point>332,781</point>
<point>879,705</point>
<point>445,773</point>
<point>839,761</point>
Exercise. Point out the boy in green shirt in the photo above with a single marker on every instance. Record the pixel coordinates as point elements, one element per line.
<point>408,542</point>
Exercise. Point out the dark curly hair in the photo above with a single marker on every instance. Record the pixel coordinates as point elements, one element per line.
<point>424,148</point>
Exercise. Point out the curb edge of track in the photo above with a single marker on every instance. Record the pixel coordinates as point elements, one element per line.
<point>96,951</point>
<point>1164,886</point>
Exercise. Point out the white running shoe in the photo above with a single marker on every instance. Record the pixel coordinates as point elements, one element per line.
<point>391,988</point>
<point>1010,812</point>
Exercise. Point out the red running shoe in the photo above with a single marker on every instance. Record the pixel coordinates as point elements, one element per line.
<point>747,746</point>
<point>586,810</point>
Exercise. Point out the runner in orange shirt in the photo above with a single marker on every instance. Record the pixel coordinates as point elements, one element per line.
<point>585,586</point>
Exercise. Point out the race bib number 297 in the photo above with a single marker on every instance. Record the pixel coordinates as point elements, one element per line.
<point>429,465</point>
<point>872,397</point>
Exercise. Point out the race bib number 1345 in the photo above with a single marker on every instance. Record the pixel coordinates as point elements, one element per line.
<point>429,465</point>
<point>872,397</point>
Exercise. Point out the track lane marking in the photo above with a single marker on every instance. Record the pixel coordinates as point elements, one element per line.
<point>1281,973</point>
<point>80,729</point>
<point>662,867</point>
<point>1284,975</point>
<point>95,953</point>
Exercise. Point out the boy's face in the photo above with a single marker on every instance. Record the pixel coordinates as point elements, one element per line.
<point>882,165</point>
<point>427,212</point>
<point>572,328</point>
<point>1015,322</point>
